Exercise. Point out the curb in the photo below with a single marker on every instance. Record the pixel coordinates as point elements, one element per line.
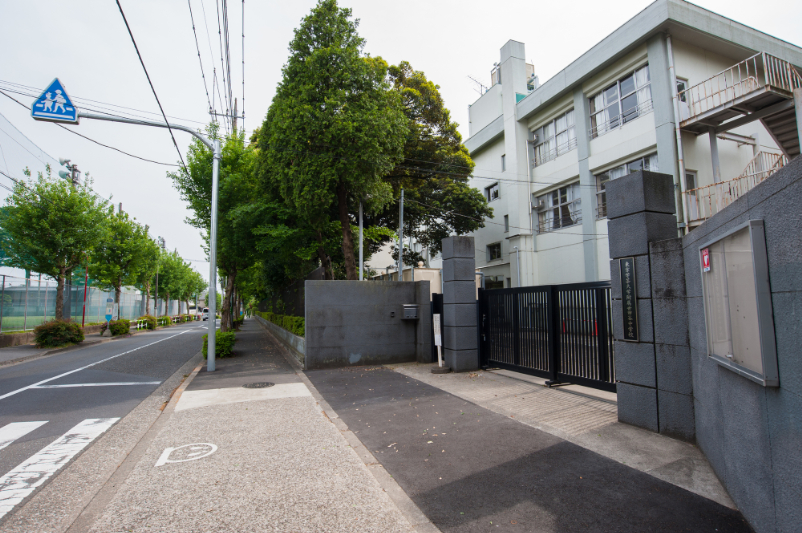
<point>419,521</point>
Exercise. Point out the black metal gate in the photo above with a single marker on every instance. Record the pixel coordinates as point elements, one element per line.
<point>560,332</point>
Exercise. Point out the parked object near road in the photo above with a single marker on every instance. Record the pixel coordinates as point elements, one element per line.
<point>58,333</point>
<point>205,313</point>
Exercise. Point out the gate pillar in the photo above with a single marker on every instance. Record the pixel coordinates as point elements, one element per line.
<point>652,359</point>
<point>460,348</point>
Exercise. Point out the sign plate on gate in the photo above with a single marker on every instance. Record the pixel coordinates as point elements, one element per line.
<point>438,338</point>
<point>629,298</point>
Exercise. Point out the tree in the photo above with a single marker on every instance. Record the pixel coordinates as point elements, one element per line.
<point>52,226</point>
<point>148,267</point>
<point>118,259</point>
<point>434,175</point>
<point>334,129</point>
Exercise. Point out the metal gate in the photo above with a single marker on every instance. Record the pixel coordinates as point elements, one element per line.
<point>560,332</point>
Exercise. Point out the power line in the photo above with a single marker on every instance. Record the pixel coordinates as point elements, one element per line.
<point>92,140</point>
<point>197,47</point>
<point>151,86</point>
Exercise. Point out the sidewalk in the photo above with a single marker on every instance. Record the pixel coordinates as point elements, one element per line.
<point>399,449</point>
<point>276,462</point>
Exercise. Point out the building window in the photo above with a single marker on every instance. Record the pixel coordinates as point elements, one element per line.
<point>506,223</point>
<point>504,162</point>
<point>621,102</point>
<point>555,138</point>
<point>494,251</point>
<point>643,163</point>
<point>559,209</point>
<point>494,282</point>
<point>682,86</point>
<point>491,193</point>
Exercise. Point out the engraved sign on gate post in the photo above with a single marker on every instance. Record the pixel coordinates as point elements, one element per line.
<point>629,298</point>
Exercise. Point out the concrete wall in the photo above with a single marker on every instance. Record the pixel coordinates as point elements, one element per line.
<point>352,323</point>
<point>751,434</point>
<point>295,344</point>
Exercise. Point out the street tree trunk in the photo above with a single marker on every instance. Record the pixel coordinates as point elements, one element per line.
<point>60,293</point>
<point>147,298</point>
<point>348,239</point>
<point>325,260</point>
<point>225,315</point>
<point>117,292</point>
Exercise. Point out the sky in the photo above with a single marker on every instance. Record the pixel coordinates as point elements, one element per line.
<point>86,45</point>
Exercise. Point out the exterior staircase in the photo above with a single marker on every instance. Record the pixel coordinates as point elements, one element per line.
<point>782,127</point>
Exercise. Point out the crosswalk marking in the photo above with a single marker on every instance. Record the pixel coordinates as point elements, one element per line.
<point>11,432</point>
<point>20,482</point>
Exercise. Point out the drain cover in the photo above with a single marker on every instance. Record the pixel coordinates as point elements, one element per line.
<point>258,385</point>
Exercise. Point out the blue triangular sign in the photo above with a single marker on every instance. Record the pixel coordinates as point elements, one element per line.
<point>54,105</point>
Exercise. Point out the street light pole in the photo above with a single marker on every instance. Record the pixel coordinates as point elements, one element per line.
<point>214,146</point>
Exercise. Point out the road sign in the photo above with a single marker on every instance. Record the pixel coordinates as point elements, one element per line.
<point>54,105</point>
<point>109,309</point>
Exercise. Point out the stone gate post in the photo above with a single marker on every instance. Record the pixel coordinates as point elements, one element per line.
<point>460,350</point>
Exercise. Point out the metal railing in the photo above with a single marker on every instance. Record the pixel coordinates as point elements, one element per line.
<point>549,221</point>
<point>542,157</point>
<point>619,120</point>
<point>704,202</point>
<point>760,70</point>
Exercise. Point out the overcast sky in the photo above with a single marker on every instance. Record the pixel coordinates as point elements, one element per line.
<point>85,44</point>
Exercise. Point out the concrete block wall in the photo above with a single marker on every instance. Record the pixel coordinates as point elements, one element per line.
<point>654,378</point>
<point>460,344</point>
<point>354,323</point>
<point>752,435</point>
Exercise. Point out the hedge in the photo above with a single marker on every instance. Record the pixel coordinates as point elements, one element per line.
<point>294,324</point>
<point>163,320</point>
<point>150,321</point>
<point>58,333</point>
<point>118,327</point>
<point>223,344</point>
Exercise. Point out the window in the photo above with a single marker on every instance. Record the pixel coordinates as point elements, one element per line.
<point>625,100</point>
<point>491,193</point>
<point>504,162</point>
<point>644,163</point>
<point>692,198</point>
<point>682,85</point>
<point>559,209</point>
<point>506,223</point>
<point>555,138</point>
<point>494,251</point>
<point>494,282</point>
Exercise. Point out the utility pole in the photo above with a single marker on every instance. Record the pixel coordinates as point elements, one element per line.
<point>401,239</point>
<point>72,175</point>
<point>234,123</point>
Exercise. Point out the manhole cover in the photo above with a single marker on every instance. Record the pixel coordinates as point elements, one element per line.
<point>259,385</point>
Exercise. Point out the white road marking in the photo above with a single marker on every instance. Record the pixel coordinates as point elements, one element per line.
<point>115,384</point>
<point>206,448</point>
<point>20,482</point>
<point>12,393</point>
<point>11,432</point>
<point>204,398</point>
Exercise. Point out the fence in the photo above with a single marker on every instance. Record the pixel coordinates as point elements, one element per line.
<point>561,332</point>
<point>23,306</point>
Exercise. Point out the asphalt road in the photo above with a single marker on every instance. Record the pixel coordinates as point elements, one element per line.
<point>53,408</point>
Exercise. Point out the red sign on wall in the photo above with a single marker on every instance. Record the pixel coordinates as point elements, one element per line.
<point>706,260</point>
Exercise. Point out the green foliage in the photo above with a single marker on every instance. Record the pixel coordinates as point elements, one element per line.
<point>51,226</point>
<point>237,323</point>
<point>223,344</point>
<point>150,321</point>
<point>57,333</point>
<point>163,321</point>
<point>294,324</point>
<point>118,327</point>
<point>334,129</point>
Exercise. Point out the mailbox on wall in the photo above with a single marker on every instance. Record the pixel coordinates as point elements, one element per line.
<point>737,301</point>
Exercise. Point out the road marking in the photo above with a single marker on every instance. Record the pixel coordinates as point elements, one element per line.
<point>199,451</point>
<point>69,385</point>
<point>12,393</point>
<point>11,432</point>
<point>19,483</point>
<point>203,398</point>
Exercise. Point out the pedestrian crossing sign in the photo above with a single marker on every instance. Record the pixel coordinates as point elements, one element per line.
<point>54,105</point>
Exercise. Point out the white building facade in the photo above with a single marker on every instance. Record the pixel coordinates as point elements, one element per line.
<point>543,153</point>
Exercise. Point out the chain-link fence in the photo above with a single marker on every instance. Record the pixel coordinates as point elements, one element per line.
<point>26,303</point>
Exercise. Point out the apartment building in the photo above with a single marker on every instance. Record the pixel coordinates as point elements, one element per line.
<point>677,89</point>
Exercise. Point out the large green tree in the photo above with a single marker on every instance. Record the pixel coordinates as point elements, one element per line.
<point>151,254</point>
<point>53,226</point>
<point>334,129</point>
<point>117,260</point>
<point>435,171</point>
